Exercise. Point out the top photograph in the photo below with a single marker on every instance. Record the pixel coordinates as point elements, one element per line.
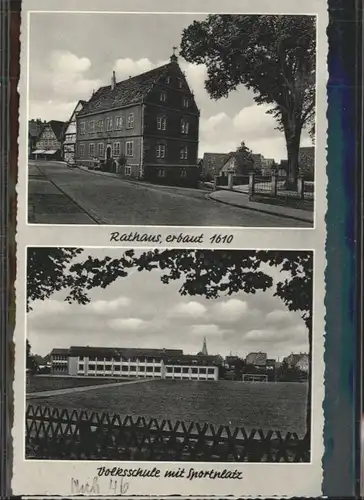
<point>140,119</point>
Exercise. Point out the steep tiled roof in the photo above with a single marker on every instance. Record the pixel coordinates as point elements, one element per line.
<point>214,161</point>
<point>256,358</point>
<point>294,358</point>
<point>122,351</point>
<point>59,351</point>
<point>57,127</point>
<point>130,91</point>
<point>242,163</point>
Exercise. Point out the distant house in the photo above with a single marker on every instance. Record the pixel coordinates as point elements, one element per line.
<point>212,164</point>
<point>299,361</point>
<point>238,163</point>
<point>34,129</point>
<point>282,169</point>
<point>69,144</point>
<point>50,141</point>
<point>258,162</point>
<point>306,161</point>
<point>267,165</point>
<point>232,361</point>
<point>258,360</point>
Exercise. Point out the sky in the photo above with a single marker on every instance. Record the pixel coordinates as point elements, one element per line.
<point>73,54</point>
<point>140,311</point>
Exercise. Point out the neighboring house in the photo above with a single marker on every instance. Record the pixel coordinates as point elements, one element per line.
<point>145,127</point>
<point>50,141</point>
<point>232,361</point>
<point>282,169</point>
<point>258,162</point>
<point>59,360</point>
<point>238,163</point>
<point>257,359</point>
<point>299,361</point>
<point>69,144</point>
<point>267,166</point>
<point>212,164</point>
<point>306,161</point>
<point>34,129</point>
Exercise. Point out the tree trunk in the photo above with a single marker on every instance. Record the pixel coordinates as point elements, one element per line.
<point>292,132</point>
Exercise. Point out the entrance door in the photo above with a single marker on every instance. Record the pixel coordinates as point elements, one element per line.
<point>108,153</point>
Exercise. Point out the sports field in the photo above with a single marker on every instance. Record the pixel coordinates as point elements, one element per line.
<point>267,406</point>
<point>40,383</point>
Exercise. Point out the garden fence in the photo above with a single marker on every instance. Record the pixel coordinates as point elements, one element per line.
<point>56,434</point>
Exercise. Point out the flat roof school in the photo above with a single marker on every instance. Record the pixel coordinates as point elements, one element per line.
<point>134,362</point>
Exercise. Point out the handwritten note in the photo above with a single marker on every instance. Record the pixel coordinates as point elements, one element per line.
<point>178,237</point>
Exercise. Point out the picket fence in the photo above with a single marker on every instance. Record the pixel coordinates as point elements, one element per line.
<point>56,434</point>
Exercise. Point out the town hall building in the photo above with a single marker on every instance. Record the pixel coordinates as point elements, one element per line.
<point>145,127</point>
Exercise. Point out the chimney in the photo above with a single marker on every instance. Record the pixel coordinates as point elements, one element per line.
<point>113,80</point>
<point>173,57</point>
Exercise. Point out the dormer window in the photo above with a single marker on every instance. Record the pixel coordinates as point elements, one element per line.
<point>186,102</point>
<point>180,83</point>
<point>161,123</point>
<point>168,80</point>
<point>163,96</point>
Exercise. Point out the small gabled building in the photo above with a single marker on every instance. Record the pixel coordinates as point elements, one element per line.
<point>212,163</point>
<point>238,163</point>
<point>145,127</point>
<point>50,141</point>
<point>69,143</point>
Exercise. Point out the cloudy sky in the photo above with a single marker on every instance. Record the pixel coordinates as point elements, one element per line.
<point>72,54</point>
<point>140,311</point>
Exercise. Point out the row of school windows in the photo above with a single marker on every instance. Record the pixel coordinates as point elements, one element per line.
<point>149,369</point>
<point>129,150</point>
<point>118,124</point>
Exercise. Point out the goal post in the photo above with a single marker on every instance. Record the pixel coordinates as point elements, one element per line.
<point>255,377</point>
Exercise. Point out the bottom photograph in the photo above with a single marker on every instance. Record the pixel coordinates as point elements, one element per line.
<point>168,355</point>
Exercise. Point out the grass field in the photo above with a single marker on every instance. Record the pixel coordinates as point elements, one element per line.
<point>49,383</point>
<point>267,406</point>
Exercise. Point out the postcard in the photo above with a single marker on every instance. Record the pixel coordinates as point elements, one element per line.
<point>170,315</point>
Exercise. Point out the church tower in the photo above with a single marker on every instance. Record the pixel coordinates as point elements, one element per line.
<point>204,347</point>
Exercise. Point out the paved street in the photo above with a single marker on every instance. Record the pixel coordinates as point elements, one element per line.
<point>61,195</point>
